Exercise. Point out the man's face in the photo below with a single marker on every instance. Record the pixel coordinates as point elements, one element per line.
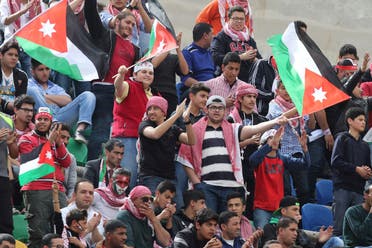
<point>84,195</point>
<point>41,73</point>
<point>208,38</point>
<point>57,243</point>
<point>358,124</point>
<point>43,124</point>
<point>200,99</point>
<point>24,113</point>
<point>119,4</point>
<point>349,56</point>
<point>120,184</point>
<point>155,114</point>
<point>143,202</point>
<point>145,76</point>
<point>124,27</point>
<point>281,91</point>
<point>292,212</point>
<point>344,74</point>
<point>235,205</point>
<point>237,21</point>
<point>231,229</point>
<point>216,113</point>
<point>10,58</point>
<point>368,197</point>
<point>65,136</point>
<point>6,244</point>
<point>117,238</point>
<point>248,101</point>
<point>288,235</point>
<point>231,71</point>
<point>114,156</point>
<point>207,230</point>
<point>198,205</point>
<point>165,198</point>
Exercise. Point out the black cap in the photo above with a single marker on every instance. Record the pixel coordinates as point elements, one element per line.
<point>287,201</point>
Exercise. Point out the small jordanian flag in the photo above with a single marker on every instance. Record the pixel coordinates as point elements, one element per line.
<point>306,73</point>
<point>161,41</point>
<point>56,39</point>
<point>39,167</point>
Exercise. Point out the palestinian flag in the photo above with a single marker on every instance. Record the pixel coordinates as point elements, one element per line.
<point>56,39</point>
<point>306,73</point>
<point>161,41</point>
<point>39,167</point>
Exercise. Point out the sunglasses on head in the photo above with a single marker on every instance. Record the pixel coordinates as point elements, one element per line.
<point>147,199</point>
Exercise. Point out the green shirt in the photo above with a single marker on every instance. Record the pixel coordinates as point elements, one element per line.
<point>357,229</point>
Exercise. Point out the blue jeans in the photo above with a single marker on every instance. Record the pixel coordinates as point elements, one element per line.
<point>129,161</point>
<point>215,196</point>
<point>71,86</point>
<point>80,110</point>
<point>102,119</point>
<point>261,217</point>
<point>152,182</point>
<point>181,184</point>
<point>342,200</point>
<point>333,242</point>
<point>25,63</point>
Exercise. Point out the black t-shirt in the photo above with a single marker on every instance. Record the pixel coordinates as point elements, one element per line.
<point>157,156</point>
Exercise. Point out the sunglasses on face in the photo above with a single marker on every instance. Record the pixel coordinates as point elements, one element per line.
<point>146,199</point>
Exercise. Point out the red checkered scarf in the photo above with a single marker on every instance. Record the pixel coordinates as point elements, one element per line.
<point>15,6</point>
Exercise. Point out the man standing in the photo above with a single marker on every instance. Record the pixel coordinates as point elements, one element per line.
<point>83,196</point>
<point>227,84</point>
<point>202,234</point>
<point>358,222</point>
<point>219,173</point>
<point>99,171</point>
<point>108,199</point>
<point>38,193</point>
<point>48,94</point>
<point>158,138</point>
<point>7,143</point>
<point>13,82</point>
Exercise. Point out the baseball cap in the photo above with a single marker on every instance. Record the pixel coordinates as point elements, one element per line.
<point>269,133</point>
<point>44,111</point>
<point>287,201</point>
<point>216,99</point>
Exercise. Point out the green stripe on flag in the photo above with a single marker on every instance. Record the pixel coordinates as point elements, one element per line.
<point>292,81</point>
<point>45,56</point>
<point>152,40</point>
<point>31,175</point>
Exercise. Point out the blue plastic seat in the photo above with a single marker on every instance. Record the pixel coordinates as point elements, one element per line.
<point>324,192</point>
<point>314,216</point>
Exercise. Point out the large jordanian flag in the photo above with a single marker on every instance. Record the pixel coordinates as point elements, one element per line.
<point>39,167</point>
<point>56,39</point>
<point>306,73</point>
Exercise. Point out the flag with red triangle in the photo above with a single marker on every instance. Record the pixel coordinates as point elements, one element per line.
<point>161,41</point>
<point>56,39</point>
<point>307,75</point>
<point>39,167</point>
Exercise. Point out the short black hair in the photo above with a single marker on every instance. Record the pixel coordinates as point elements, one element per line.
<point>204,215</point>
<point>65,127</point>
<point>35,63</point>
<point>234,195</point>
<point>111,143</point>
<point>120,171</point>
<point>10,44</point>
<point>195,88</point>
<point>166,185</point>
<point>112,225</point>
<point>200,29</point>
<point>348,49</point>
<point>353,113</point>
<point>81,180</point>
<point>232,57</point>
<point>285,222</point>
<point>76,214</point>
<point>7,237</point>
<point>271,242</point>
<point>235,8</point>
<point>301,24</point>
<point>21,99</point>
<point>225,217</point>
<point>48,238</point>
<point>192,195</point>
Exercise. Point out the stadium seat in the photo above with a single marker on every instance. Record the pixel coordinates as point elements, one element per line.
<point>324,192</point>
<point>314,216</point>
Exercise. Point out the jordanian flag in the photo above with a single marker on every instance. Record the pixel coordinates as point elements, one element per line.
<point>306,73</point>
<point>56,39</point>
<point>161,41</point>
<point>39,167</point>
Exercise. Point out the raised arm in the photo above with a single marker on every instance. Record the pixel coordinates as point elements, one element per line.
<point>248,131</point>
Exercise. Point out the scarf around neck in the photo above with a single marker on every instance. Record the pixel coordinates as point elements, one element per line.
<point>242,36</point>
<point>110,197</point>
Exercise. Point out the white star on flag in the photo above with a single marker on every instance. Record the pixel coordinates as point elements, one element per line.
<point>47,28</point>
<point>319,95</point>
<point>161,46</point>
<point>48,155</point>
